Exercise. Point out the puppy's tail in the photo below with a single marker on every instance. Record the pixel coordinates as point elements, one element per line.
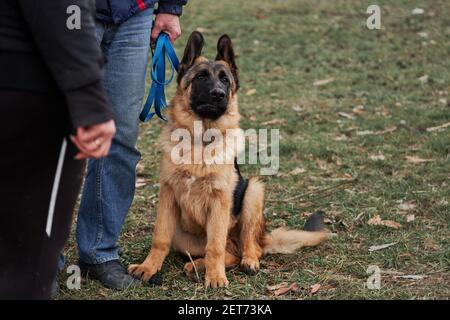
<point>286,241</point>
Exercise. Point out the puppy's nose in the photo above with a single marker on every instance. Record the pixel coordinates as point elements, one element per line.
<point>217,94</point>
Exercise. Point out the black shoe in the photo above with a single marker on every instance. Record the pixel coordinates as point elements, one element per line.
<point>111,274</point>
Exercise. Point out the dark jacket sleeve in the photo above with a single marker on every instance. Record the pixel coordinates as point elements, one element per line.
<point>73,56</point>
<point>171,6</point>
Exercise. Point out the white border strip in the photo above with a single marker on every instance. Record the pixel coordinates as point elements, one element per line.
<point>51,209</point>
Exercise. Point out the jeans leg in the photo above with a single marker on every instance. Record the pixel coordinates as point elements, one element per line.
<point>110,182</point>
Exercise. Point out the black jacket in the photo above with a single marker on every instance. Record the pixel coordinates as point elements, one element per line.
<point>39,52</point>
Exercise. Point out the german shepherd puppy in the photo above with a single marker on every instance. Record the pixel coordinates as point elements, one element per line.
<point>208,210</point>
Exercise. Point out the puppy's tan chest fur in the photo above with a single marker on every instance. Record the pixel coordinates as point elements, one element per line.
<point>198,193</point>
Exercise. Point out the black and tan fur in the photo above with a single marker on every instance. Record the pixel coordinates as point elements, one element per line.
<point>196,200</point>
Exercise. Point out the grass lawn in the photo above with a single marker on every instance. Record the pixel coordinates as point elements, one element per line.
<point>353,146</point>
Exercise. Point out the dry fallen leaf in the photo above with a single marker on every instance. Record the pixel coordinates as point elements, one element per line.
<point>297,171</point>
<point>322,165</point>
<point>282,288</point>
<point>365,133</point>
<point>423,79</point>
<point>429,244</point>
<point>250,92</point>
<point>328,221</point>
<point>228,293</point>
<point>376,221</point>
<point>277,286</point>
<point>140,182</point>
<point>418,11</point>
<point>323,81</point>
<point>375,133</point>
<point>417,160</point>
<point>140,168</point>
<point>423,34</point>
<point>405,254</point>
<point>273,121</point>
<point>294,172</point>
<point>358,109</point>
<point>293,287</point>
<point>391,224</point>
<point>346,115</point>
<point>385,113</point>
<point>405,206</point>
<point>377,157</point>
<point>341,137</point>
<point>314,288</point>
<point>382,246</point>
<point>297,108</point>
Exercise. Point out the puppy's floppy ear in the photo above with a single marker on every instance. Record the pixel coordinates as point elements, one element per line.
<point>192,51</point>
<point>225,53</point>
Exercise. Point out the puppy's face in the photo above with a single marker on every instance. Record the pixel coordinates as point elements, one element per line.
<point>211,83</point>
<point>210,89</point>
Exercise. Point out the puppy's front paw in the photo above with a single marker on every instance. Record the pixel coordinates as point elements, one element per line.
<point>216,281</point>
<point>250,265</point>
<point>142,271</point>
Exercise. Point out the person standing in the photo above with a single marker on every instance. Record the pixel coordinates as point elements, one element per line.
<point>124,31</point>
<point>54,113</point>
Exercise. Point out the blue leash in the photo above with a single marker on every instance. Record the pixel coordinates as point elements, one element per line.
<point>156,95</point>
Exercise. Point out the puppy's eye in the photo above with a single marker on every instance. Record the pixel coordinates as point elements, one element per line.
<point>201,77</point>
<point>225,80</point>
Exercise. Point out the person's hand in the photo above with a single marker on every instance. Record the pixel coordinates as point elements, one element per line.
<point>94,141</point>
<point>167,23</point>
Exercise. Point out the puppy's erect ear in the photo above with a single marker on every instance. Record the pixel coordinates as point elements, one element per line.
<point>225,53</point>
<point>192,51</point>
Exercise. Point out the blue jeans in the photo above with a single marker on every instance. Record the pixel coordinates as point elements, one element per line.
<point>110,182</point>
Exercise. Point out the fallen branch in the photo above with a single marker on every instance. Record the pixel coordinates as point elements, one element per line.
<point>443,126</point>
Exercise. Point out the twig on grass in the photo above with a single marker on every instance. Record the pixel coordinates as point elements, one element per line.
<point>193,263</point>
<point>313,191</point>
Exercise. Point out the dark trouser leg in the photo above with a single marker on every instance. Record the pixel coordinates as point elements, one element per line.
<point>36,210</point>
